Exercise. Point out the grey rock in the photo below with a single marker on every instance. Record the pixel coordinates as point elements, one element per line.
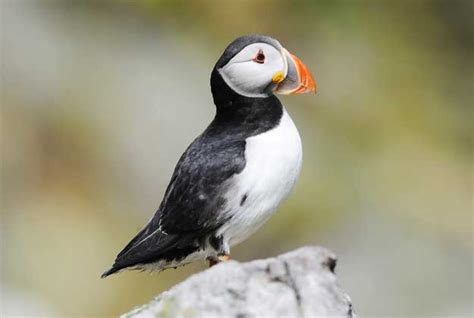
<point>300,283</point>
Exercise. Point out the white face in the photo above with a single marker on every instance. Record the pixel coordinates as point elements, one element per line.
<point>251,72</point>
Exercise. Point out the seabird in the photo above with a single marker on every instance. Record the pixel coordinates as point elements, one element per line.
<point>233,176</point>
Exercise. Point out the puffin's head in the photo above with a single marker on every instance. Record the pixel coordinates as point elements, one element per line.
<point>258,66</point>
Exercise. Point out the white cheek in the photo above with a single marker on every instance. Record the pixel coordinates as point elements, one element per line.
<point>248,78</point>
<point>251,78</point>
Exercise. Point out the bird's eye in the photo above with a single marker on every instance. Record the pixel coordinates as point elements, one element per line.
<point>260,57</point>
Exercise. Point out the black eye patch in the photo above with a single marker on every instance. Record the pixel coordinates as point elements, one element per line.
<point>260,57</point>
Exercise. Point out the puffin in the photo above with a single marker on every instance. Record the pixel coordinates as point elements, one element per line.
<point>233,176</point>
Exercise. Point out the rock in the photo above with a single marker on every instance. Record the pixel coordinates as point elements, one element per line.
<point>300,283</point>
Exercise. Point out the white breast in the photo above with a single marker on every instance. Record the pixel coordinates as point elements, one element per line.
<point>273,163</point>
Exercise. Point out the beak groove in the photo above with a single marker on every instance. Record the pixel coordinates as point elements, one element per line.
<point>299,79</point>
<point>307,82</point>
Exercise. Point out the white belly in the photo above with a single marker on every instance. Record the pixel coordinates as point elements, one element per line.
<point>273,164</point>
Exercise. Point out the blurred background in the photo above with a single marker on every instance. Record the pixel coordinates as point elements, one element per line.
<point>100,98</point>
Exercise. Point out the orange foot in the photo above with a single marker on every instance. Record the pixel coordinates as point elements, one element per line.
<point>215,260</point>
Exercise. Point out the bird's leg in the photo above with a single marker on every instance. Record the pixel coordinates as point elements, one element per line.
<point>222,248</point>
<point>213,260</point>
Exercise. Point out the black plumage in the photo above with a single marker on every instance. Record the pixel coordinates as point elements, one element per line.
<point>193,205</point>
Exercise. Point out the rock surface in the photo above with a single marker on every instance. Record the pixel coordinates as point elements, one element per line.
<point>300,283</point>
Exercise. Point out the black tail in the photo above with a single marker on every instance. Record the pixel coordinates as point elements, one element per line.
<point>150,246</point>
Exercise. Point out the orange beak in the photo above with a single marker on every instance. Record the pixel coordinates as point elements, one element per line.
<point>298,80</point>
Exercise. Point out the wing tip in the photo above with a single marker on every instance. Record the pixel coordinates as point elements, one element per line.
<point>109,272</point>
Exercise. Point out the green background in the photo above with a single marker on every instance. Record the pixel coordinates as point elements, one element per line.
<point>100,98</point>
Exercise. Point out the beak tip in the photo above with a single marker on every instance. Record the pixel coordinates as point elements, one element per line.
<point>307,81</point>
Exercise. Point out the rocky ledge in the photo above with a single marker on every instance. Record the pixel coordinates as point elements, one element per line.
<point>300,283</point>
